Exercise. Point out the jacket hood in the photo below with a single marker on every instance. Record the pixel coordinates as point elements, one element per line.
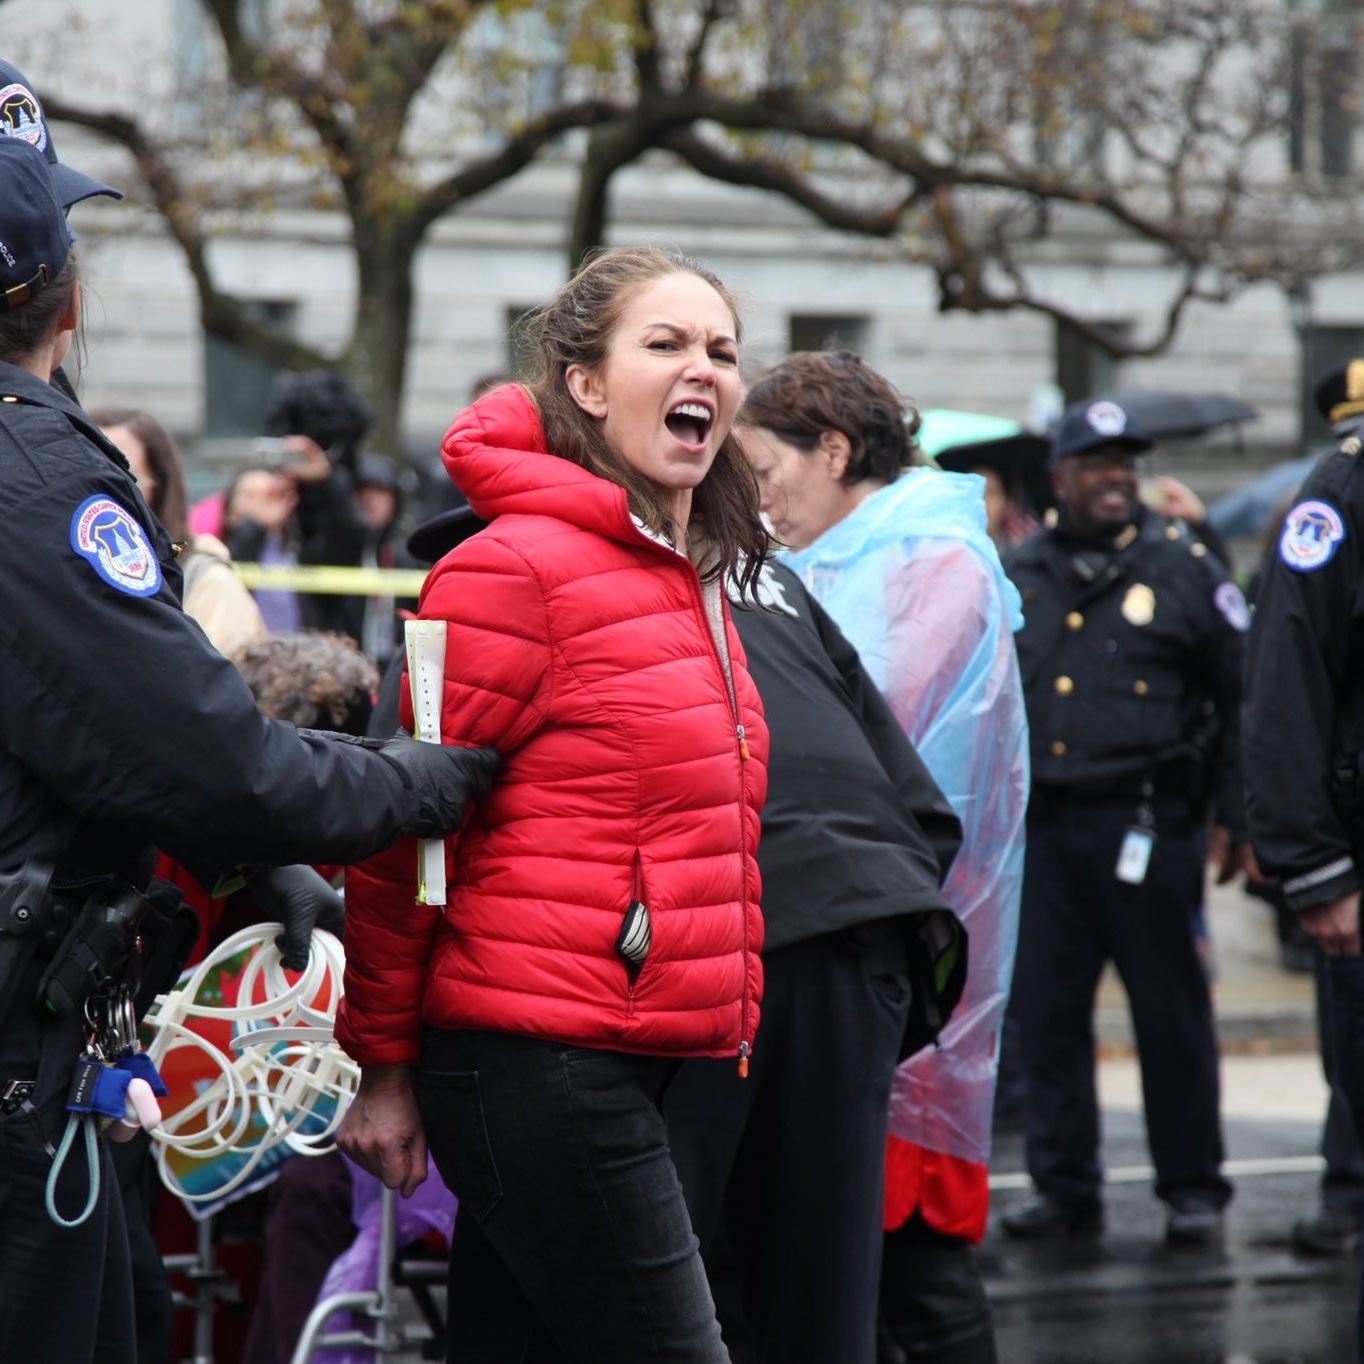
<point>495,454</point>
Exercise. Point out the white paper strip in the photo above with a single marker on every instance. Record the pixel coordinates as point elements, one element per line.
<point>426,674</point>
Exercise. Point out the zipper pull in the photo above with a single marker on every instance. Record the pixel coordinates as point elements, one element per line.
<point>743,743</point>
<point>745,1051</point>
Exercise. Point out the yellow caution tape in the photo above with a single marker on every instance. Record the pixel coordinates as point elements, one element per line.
<point>333,579</point>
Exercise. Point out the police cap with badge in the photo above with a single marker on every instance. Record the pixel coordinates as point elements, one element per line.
<point>22,118</point>
<point>1090,426</point>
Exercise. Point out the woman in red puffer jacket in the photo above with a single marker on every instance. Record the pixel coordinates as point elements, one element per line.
<point>603,916</point>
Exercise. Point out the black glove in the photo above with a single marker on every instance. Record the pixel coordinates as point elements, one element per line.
<point>445,778</point>
<point>301,900</point>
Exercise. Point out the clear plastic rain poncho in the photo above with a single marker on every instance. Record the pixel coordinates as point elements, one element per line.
<point>915,583</point>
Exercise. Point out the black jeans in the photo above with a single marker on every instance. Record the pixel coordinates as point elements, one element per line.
<point>572,1240</point>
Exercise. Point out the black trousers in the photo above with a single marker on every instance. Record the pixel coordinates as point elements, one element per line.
<point>1342,1182</point>
<point>1345,979</point>
<point>65,1293</point>
<point>1076,916</point>
<point>572,1240</point>
<point>793,1157</point>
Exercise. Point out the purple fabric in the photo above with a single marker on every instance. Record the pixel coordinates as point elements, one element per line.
<point>431,1208</point>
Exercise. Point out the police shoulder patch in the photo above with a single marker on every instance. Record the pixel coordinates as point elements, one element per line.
<point>116,546</point>
<point>1231,602</point>
<point>1312,533</point>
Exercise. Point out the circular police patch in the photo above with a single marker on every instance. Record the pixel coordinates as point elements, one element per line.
<point>1232,604</point>
<point>1312,532</point>
<point>116,546</point>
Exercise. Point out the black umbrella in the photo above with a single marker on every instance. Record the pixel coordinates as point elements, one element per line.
<point>1162,413</point>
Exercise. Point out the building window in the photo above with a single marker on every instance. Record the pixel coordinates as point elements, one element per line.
<point>1083,367</point>
<point>830,331</point>
<point>239,387</point>
<point>1323,88</point>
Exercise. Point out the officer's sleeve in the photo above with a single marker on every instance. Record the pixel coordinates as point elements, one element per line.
<point>1306,619</point>
<point>1228,617</point>
<point>931,809</point>
<point>116,703</point>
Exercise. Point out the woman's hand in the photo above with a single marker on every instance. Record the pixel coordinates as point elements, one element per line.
<point>382,1129</point>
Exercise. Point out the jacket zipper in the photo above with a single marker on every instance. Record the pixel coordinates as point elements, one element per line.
<point>727,677</point>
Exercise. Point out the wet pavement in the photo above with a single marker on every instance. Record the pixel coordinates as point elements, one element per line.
<point>1128,1298</point>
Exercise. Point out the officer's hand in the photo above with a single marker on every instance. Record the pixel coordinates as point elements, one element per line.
<point>445,777</point>
<point>1335,926</point>
<point>301,900</point>
<point>1228,858</point>
<point>382,1130</point>
<point>1178,501</point>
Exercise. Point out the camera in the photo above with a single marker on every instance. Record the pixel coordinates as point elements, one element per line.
<point>270,452</point>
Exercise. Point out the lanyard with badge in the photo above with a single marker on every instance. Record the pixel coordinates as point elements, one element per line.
<point>1139,842</point>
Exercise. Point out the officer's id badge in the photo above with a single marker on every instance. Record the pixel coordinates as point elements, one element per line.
<point>1139,605</point>
<point>116,546</point>
<point>1134,857</point>
<point>1312,532</point>
<point>1230,601</point>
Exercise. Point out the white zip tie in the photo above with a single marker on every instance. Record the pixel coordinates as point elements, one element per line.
<point>285,1059</point>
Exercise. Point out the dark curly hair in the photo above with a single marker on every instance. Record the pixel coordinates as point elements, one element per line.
<point>314,679</point>
<point>811,392</point>
<point>576,328</point>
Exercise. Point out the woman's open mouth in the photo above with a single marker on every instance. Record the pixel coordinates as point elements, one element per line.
<point>690,423</point>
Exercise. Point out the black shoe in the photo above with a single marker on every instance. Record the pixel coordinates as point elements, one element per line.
<point>1042,1218</point>
<point>1193,1224</point>
<point>1333,1231</point>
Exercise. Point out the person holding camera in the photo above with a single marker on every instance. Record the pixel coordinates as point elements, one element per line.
<point>121,731</point>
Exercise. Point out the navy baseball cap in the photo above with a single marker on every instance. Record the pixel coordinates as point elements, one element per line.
<point>34,236</point>
<point>1086,426</point>
<point>22,117</point>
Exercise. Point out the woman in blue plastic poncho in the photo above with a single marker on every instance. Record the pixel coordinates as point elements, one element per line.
<point>899,556</point>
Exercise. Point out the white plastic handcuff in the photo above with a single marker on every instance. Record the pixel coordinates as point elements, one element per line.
<point>285,1060</point>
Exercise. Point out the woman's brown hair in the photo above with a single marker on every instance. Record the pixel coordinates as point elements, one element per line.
<point>576,328</point>
<point>811,392</point>
<point>24,329</point>
<point>170,496</point>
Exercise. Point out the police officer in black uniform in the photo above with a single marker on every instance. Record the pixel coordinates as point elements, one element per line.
<point>120,728</point>
<point>1303,746</point>
<point>1130,655</point>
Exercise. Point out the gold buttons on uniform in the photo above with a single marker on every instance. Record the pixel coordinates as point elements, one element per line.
<point>1058,749</point>
<point>1140,687</point>
<point>1172,532</point>
<point>1198,550</point>
<point>1074,620</point>
<point>1064,686</point>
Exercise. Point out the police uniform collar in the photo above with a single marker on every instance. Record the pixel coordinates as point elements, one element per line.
<point>26,387</point>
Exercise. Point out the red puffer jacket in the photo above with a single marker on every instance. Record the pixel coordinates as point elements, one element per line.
<point>579,648</point>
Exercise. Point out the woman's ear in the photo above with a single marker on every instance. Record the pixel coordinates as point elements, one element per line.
<point>837,449</point>
<point>585,389</point>
<point>71,314</point>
